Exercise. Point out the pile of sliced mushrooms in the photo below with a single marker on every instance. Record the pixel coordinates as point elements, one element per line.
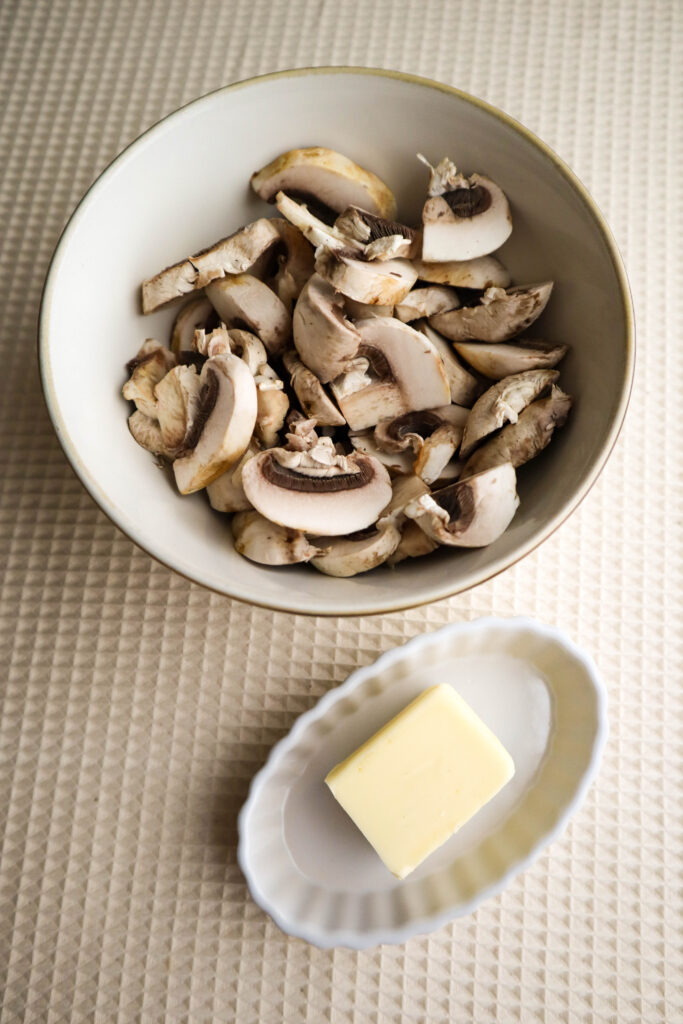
<point>351,390</point>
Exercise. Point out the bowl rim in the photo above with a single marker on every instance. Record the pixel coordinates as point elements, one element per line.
<point>435,592</point>
<point>427,923</point>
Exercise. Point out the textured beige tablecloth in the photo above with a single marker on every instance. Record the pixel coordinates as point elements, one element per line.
<point>136,707</point>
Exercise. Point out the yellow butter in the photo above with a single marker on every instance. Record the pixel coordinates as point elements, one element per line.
<point>421,777</point>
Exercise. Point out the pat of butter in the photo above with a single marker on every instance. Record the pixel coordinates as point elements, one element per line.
<point>421,777</point>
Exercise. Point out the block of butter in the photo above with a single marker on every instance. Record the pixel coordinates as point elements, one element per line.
<point>421,777</point>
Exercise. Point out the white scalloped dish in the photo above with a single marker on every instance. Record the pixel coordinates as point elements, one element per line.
<point>309,867</point>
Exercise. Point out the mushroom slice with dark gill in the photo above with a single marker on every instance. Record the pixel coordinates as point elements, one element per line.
<point>484,272</point>
<point>328,178</point>
<point>378,282</point>
<point>496,361</point>
<point>519,442</point>
<point>464,217</point>
<point>177,397</point>
<point>147,368</point>
<point>464,386</point>
<point>317,491</point>
<point>397,370</point>
<point>313,398</point>
<point>147,432</point>
<point>359,552</point>
<point>325,339</point>
<point>412,428</point>
<point>426,302</point>
<point>263,541</point>
<point>243,301</point>
<point>469,513</point>
<point>272,401</point>
<point>500,315</point>
<point>383,239</point>
<point>502,403</point>
<point>223,424</point>
<point>232,255</point>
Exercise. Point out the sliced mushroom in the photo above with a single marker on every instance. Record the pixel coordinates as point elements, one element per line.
<point>295,263</point>
<point>272,402</point>
<point>193,316</point>
<point>315,230</point>
<point>226,493</point>
<point>265,542</point>
<point>328,178</point>
<point>463,218</point>
<point>317,491</point>
<point>242,300</point>
<point>383,239</point>
<point>223,425</point>
<point>484,272</point>
<point>326,341</point>
<point>502,403</point>
<point>146,369</point>
<point>414,543</point>
<point>314,400</point>
<point>469,513</point>
<point>500,315</point>
<point>501,360</point>
<point>362,310</point>
<point>382,283</point>
<point>398,463</point>
<point>519,442</point>
<point>426,302</point>
<point>215,342</point>
<point>232,255</point>
<point>404,489</point>
<point>412,428</point>
<point>464,388</point>
<point>397,370</point>
<point>177,403</point>
<point>437,452</point>
<point>147,433</point>
<point>359,552</point>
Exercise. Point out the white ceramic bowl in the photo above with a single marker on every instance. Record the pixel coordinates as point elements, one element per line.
<point>309,867</point>
<point>184,183</point>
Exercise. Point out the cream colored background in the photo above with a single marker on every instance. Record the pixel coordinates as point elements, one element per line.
<point>136,707</point>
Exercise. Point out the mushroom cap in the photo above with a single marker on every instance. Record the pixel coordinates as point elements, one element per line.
<point>231,255</point>
<point>223,425</point>
<point>242,299</point>
<point>501,315</point>
<point>325,340</point>
<point>382,282</point>
<point>465,222</point>
<point>193,316</point>
<point>519,442</point>
<point>147,433</point>
<point>331,503</point>
<point>348,556</point>
<point>421,302</point>
<point>412,428</point>
<point>464,387</point>
<point>177,399</point>
<point>498,360</point>
<point>502,403</point>
<point>269,544</point>
<point>328,177</point>
<point>313,398</point>
<point>147,368</point>
<point>295,263</point>
<point>480,273</point>
<point>406,374</point>
<point>469,513</point>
